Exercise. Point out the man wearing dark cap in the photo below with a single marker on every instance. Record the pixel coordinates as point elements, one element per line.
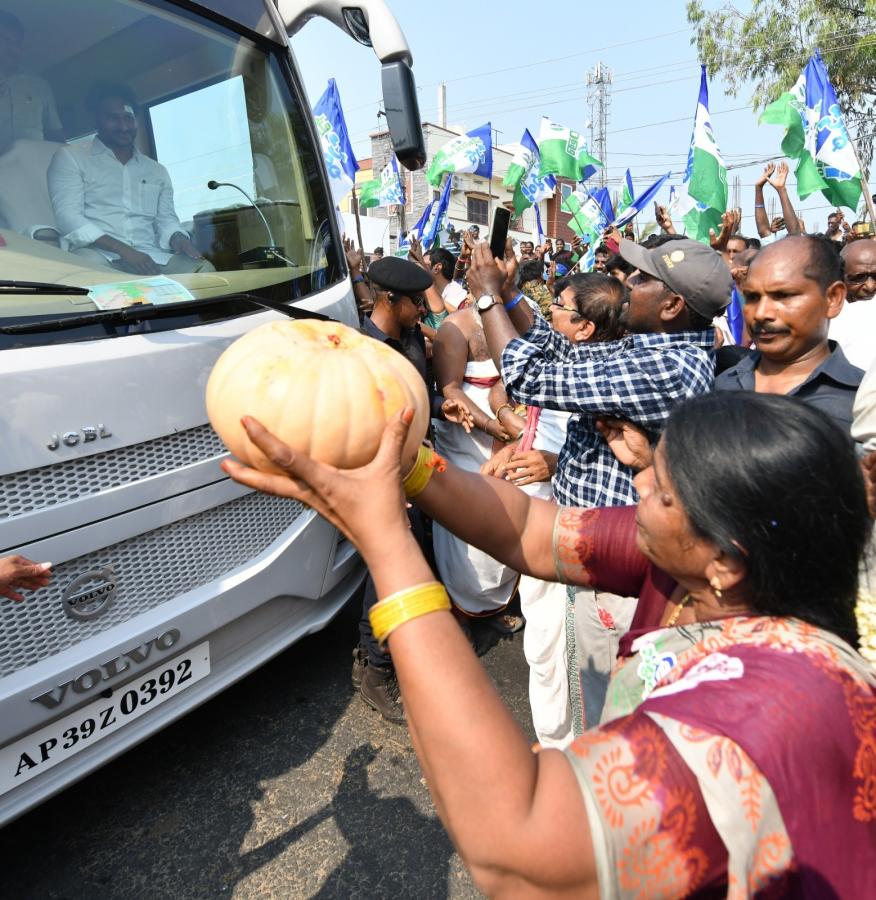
<point>398,285</point>
<point>399,303</point>
<point>667,356</point>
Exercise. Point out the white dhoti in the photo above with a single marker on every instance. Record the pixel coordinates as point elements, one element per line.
<point>477,583</point>
<point>543,604</point>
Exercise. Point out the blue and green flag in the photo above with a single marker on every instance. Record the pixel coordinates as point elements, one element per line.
<point>472,152</point>
<point>817,137</point>
<point>335,142</point>
<point>387,190</point>
<point>626,199</point>
<point>564,152</point>
<point>637,204</point>
<point>703,197</point>
<point>523,175</point>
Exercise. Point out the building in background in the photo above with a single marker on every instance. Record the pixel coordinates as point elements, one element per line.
<point>365,173</point>
<point>472,197</point>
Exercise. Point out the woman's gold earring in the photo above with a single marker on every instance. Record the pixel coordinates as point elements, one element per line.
<point>716,588</point>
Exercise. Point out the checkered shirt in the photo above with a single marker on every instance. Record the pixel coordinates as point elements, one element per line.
<point>639,378</point>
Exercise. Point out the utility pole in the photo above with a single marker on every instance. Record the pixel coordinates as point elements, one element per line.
<point>496,134</point>
<point>599,99</point>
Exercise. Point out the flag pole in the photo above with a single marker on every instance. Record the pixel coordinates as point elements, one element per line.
<point>358,221</point>
<point>868,197</point>
<point>401,222</point>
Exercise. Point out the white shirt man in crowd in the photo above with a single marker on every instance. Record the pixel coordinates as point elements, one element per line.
<point>854,329</point>
<point>112,203</point>
<point>442,265</point>
<point>27,105</point>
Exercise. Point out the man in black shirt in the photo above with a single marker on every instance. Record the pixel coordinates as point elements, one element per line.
<point>399,285</point>
<point>398,306</point>
<point>793,289</point>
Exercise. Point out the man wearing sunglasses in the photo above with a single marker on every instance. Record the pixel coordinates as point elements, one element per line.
<point>859,260</point>
<point>398,307</point>
<point>666,356</point>
<point>395,320</point>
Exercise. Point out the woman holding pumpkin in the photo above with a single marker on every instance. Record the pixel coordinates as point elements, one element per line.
<point>737,754</point>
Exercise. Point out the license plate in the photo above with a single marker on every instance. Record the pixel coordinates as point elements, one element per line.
<point>32,755</point>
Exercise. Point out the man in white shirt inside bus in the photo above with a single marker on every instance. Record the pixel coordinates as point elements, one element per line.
<point>113,205</point>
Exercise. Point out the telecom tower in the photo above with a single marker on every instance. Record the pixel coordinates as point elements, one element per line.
<point>599,99</point>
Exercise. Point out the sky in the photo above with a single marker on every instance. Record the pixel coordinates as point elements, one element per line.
<point>512,62</point>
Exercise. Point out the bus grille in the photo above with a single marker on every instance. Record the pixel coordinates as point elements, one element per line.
<point>35,489</point>
<point>151,568</point>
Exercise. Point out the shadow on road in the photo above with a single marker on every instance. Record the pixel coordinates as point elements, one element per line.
<point>391,843</point>
<point>286,785</point>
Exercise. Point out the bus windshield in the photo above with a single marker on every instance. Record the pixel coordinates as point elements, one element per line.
<point>152,155</point>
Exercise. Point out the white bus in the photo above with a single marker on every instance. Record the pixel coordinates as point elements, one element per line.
<point>170,581</point>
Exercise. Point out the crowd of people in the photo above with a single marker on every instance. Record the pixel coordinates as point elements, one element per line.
<point>685,520</point>
<point>679,518</point>
<point>549,396</point>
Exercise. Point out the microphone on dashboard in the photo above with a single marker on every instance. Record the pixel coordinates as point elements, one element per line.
<point>267,252</point>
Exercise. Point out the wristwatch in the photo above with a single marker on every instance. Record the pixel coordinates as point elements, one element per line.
<point>485,302</point>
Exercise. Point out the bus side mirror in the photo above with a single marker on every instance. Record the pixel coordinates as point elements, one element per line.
<point>403,114</point>
<point>371,23</point>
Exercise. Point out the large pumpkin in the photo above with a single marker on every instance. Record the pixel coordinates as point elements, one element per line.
<point>323,388</point>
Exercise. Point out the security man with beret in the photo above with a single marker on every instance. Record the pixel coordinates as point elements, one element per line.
<point>395,320</point>
<point>398,285</point>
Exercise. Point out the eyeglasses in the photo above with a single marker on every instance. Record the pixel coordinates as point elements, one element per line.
<point>416,299</point>
<point>861,277</point>
<point>568,309</point>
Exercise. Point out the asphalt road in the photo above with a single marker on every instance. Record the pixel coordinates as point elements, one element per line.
<point>286,785</point>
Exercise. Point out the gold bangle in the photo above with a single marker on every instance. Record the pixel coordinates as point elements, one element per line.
<point>418,477</point>
<point>404,605</point>
<point>504,406</point>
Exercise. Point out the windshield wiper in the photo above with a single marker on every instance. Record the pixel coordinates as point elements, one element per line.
<point>39,287</point>
<point>142,311</point>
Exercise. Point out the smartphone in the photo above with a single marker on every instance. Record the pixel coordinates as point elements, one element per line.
<point>499,232</point>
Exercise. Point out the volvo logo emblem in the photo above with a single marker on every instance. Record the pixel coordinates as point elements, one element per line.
<point>91,594</point>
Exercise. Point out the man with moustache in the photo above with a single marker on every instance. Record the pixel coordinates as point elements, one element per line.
<point>793,290</point>
<point>113,204</point>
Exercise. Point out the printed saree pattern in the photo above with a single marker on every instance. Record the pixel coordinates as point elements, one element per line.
<point>747,766</point>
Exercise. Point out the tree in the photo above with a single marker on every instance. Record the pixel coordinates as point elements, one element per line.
<point>769,46</point>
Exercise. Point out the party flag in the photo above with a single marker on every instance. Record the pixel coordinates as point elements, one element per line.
<point>438,217</point>
<point>472,152</point>
<point>588,218</point>
<point>639,203</point>
<point>522,176</point>
<point>817,137</point>
<point>335,142</point>
<point>703,198</point>
<point>564,152</point>
<point>627,195</point>
<point>387,190</point>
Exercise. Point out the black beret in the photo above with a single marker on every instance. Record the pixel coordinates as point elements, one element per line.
<point>392,273</point>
